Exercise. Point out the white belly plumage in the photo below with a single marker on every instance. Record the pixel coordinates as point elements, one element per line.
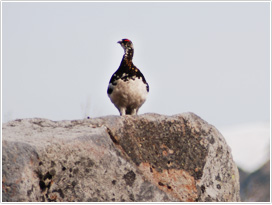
<point>128,95</point>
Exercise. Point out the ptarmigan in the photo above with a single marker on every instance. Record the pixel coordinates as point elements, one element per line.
<point>127,88</point>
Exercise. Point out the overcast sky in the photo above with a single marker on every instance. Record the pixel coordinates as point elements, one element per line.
<point>210,58</point>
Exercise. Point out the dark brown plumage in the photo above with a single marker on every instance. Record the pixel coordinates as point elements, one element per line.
<point>127,88</point>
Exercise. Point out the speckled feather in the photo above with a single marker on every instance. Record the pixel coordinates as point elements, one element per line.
<point>127,87</point>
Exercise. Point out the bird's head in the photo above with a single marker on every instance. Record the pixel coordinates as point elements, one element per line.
<point>126,44</point>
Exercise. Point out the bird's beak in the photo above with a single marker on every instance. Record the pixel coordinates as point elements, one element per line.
<point>119,42</point>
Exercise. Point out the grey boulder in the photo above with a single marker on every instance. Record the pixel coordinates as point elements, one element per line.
<point>141,158</point>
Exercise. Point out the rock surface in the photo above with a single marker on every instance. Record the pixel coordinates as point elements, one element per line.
<point>148,157</point>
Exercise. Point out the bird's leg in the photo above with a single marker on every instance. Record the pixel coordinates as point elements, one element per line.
<point>134,112</point>
<point>122,111</point>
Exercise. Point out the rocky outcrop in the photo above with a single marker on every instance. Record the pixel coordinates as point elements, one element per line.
<point>255,187</point>
<point>148,157</point>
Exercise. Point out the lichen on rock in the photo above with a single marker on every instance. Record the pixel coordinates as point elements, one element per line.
<point>147,157</point>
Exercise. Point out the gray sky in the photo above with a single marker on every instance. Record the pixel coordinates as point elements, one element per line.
<point>208,58</point>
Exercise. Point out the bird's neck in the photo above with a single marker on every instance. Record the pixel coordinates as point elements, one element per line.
<point>128,55</point>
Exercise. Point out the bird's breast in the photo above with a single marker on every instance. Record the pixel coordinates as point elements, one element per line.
<point>128,91</point>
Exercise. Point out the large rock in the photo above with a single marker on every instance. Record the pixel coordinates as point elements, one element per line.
<point>149,157</point>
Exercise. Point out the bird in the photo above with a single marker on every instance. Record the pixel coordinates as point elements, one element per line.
<point>127,88</point>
